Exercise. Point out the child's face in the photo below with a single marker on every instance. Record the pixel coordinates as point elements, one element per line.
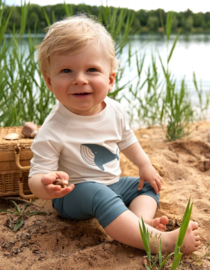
<point>81,81</point>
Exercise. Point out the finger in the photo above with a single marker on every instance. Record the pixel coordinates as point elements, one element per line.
<point>141,184</point>
<point>62,183</point>
<point>161,180</point>
<point>48,178</point>
<point>155,187</point>
<point>159,184</point>
<point>64,191</point>
<point>53,188</point>
<point>63,175</point>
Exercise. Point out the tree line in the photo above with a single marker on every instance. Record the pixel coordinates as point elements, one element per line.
<point>143,21</point>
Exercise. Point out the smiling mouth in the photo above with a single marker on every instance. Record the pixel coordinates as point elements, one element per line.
<point>81,94</point>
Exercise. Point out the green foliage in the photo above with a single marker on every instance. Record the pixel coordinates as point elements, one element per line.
<point>158,261</point>
<point>21,214</point>
<point>203,99</point>
<point>178,111</point>
<point>147,238</point>
<point>176,107</point>
<point>147,21</point>
<point>153,23</point>
<point>151,101</point>
<point>3,20</point>
<point>24,96</point>
<point>188,24</point>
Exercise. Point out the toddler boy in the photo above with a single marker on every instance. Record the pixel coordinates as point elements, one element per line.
<point>80,140</point>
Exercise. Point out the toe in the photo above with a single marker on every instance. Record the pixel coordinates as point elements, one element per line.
<point>197,238</point>
<point>164,220</point>
<point>162,227</point>
<point>196,232</point>
<point>194,225</point>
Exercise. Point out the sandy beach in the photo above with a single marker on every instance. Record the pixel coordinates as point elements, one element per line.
<point>52,242</point>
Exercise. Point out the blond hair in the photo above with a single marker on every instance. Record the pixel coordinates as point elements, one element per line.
<point>71,35</point>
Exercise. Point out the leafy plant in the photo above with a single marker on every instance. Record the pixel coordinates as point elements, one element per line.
<point>21,214</point>
<point>204,102</point>
<point>158,262</point>
<point>176,106</point>
<point>179,112</point>
<point>146,236</point>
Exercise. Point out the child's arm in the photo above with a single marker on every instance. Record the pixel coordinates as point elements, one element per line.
<point>42,185</point>
<point>146,171</point>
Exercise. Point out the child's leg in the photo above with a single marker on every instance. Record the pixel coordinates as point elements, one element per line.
<point>142,203</point>
<point>145,207</point>
<point>125,229</point>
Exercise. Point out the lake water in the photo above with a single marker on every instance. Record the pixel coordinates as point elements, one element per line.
<point>191,54</point>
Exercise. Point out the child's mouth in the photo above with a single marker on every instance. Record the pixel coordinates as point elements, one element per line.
<point>81,94</point>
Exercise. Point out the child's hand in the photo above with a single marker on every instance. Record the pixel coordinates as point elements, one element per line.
<point>56,191</point>
<point>149,174</point>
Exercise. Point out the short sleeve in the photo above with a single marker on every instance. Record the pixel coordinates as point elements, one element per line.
<point>46,151</point>
<point>128,136</point>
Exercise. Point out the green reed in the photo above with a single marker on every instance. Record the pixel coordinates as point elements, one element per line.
<point>25,96</point>
<point>165,103</point>
<point>23,93</point>
<point>159,261</point>
<point>204,100</point>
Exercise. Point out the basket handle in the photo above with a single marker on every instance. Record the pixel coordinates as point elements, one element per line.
<point>17,159</point>
<point>17,150</point>
<point>24,196</point>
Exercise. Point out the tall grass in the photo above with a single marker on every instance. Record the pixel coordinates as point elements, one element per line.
<point>158,261</point>
<point>162,102</point>
<point>150,101</point>
<point>24,96</point>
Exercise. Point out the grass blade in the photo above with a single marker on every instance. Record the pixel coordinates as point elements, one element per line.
<point>173,46</point>
<point>176,261</point>
<point>6,211</point>
<point>18,225</point>
<point>169,24</point>
<point>161,21</point>
<point>183,228</point>
<point>144,239</point>
<point>160,253</point>
<point>17,207</point>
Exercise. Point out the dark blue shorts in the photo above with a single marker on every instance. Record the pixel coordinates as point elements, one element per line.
<point>94,200</point>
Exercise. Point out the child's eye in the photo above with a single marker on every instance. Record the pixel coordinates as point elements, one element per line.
<point>92,70</point>
<point>66,70</point>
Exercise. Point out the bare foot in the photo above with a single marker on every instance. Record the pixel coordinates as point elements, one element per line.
<point>191,240</point>
<point>158,223</point>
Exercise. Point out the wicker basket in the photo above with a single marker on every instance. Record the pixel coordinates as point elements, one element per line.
<point>15,158</point>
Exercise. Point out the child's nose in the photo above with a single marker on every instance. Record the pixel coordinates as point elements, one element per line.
<point>80,79</point>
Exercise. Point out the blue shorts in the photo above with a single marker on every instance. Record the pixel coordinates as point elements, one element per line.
<point>94,200</point>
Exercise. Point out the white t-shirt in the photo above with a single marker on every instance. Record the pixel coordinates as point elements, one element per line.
<point>85,147</point>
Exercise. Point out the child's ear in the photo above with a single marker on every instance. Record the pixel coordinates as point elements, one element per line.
<point>111,80</point>
<point>47,80</point>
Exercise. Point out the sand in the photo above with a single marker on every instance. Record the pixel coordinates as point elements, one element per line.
<point>51,242</point>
